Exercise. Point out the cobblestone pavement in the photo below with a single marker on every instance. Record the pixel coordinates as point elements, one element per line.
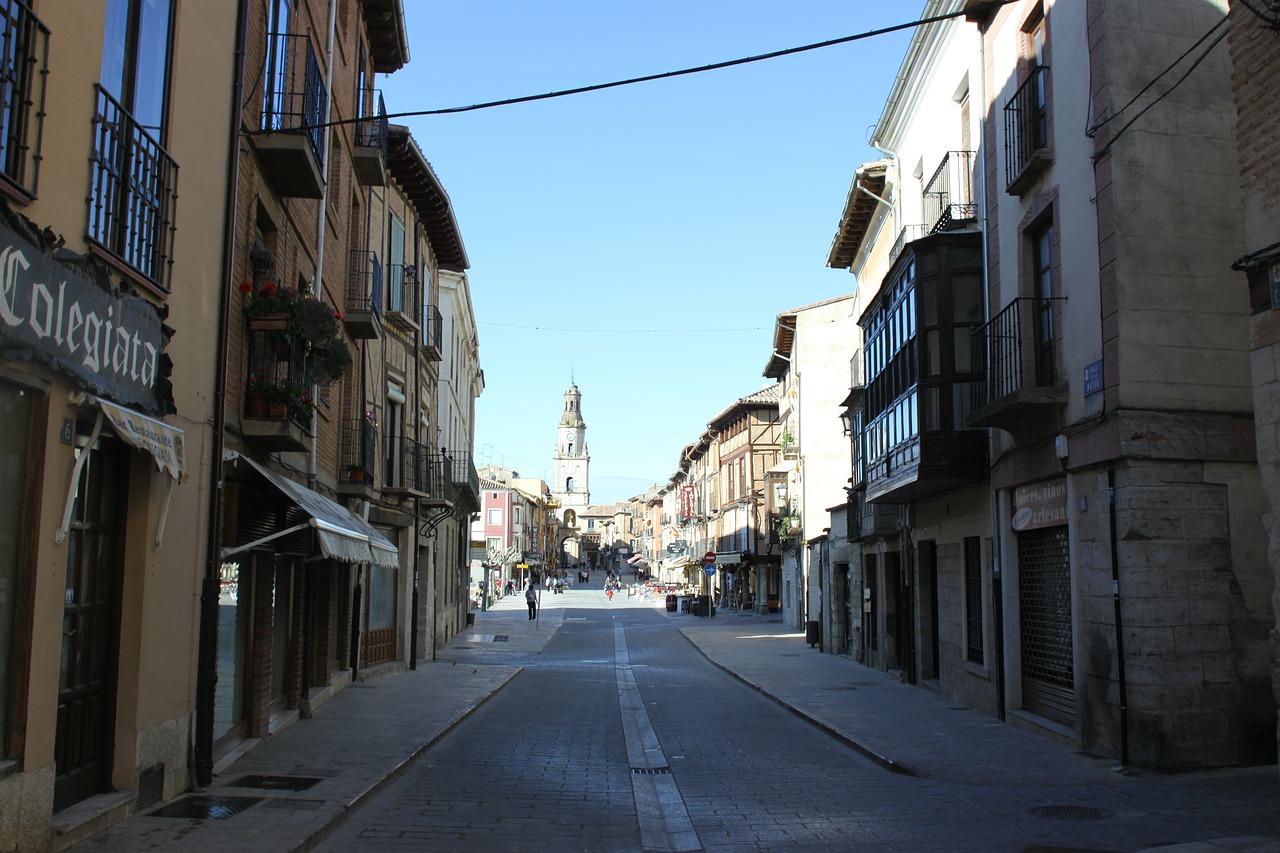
<point>842,757</point>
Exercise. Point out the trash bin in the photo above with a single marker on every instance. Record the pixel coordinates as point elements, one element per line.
<point>671,602</point>
<point>471,619</point>
<point>700,605</point>
<point>813,633</point>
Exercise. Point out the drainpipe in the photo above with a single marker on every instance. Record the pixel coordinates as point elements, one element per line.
<point>210,586</point>
<point>1115,603</point>
<point>317,286</point>
<point>997,529</point>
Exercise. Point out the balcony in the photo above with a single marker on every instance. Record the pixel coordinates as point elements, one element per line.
<point>1024,392</point>
<point>362,311</point>
<point>278,405</point>
<point>290,143</point>
<point>357,455</point>
<point>948,197</point>
<point>464,489</point>
<point>1027,152</point>
<point>409,469</point>
<point>923,376</point>
<point>370,151</point>
<point>905,236</point>
<point>133,193</point>
<point>403,303</point>
<point>432,334</point>
<point>24,68</point>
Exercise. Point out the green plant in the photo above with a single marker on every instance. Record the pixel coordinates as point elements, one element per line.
<point>269,299</point>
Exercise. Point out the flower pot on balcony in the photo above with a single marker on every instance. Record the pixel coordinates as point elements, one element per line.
<point>269,323</point>
<point>258,405</point>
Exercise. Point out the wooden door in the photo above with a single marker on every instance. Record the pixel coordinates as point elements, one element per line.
<point>90,628</point>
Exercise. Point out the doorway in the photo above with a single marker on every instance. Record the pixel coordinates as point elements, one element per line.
<point>91,626</point>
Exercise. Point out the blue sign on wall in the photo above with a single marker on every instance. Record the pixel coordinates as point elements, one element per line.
<point>1093,378</point>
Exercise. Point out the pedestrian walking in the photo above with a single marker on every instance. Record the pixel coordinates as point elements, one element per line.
<point>608,591</point>
<point>531,598</point>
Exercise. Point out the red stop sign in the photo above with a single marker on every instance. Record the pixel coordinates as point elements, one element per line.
<point>709,557</point>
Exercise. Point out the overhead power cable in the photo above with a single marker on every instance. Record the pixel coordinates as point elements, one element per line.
<point>1102,121</point>
<point>1203,54</point>
<point>715,66</point>
<point>614,331</point>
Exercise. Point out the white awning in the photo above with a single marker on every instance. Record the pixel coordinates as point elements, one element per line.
<point>342,534</point>
<point>783,467</point>
<point>635,558</point>
<point>163,442</point>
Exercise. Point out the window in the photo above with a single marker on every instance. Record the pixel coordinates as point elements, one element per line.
<point>133,181</point>
<point>568,484</point>
<point>394,435</point>
<point>1042,252</point>
<point>973,599</point>
<point>515,515</point>
<point>495,516</point>
<point>22,76</point>
<point>395,268</point>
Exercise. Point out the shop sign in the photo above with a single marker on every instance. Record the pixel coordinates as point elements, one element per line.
<point>688,502</point>
<point>52,312</point>
<point>1040,505</point>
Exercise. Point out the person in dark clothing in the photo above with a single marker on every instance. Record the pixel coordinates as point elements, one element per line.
<point>531,598</point>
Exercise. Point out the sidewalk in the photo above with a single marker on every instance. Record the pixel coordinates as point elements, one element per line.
<point>362,739</point>
<point>370,732</point>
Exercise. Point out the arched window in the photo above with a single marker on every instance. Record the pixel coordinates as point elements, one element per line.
<point>568,484</point>
<point>570,451</point>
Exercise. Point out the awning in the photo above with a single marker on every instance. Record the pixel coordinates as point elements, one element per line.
<point>165,444</point>
<point>342,534</point>
<point>782,468</point>
<point>633,560</point>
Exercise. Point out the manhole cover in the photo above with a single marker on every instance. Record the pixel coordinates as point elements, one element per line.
<point>1071,812</point>
<point>274,783</point>
<point>206,808</point>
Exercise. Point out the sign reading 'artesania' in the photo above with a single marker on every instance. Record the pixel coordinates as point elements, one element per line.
<point>51,312</point>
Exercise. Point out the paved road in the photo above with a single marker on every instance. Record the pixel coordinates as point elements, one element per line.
<point>621,736</point>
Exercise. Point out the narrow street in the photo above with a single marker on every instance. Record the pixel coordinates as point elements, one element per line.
<point>620,735</point>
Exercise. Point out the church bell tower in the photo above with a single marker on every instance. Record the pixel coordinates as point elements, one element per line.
<point>571,487</point>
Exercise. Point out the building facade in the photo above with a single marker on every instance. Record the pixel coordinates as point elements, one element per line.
<point>1254,49</point>
<point>1054,414</point>
<point>113,270</point>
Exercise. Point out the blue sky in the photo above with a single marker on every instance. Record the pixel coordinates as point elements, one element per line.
<point>639,240</point>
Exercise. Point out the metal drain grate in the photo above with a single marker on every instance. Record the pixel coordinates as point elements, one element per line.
<point>1071,812</point>
<point>206,808</point>
<point>293,805</point>
<point>501,638</point>
<point>650,771</point>
<point>274,783</point>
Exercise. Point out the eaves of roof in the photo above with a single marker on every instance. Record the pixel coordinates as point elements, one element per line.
<point>418,180</point>
<point>859,209</point>
<point>388,39</point>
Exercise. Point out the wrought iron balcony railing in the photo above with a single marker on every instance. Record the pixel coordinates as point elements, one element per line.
<point>371,130</point>
<point>905,236</point>
<point>24,69</point>
<point>1013,363</point>
<point>1026,126</point>
<point>948,197</point>
<point>364,284</point>
<point>294,97</point>
<point>432,334</point>
<point>402,293</point>
<point>132,192</point>
<point>358,452</point>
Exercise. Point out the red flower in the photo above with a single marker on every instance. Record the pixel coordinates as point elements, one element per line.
<point>267,290</point>
<point>245,287</point>
<point>337,315</point>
